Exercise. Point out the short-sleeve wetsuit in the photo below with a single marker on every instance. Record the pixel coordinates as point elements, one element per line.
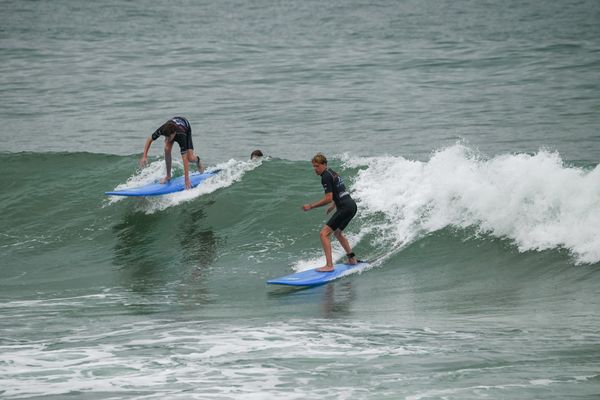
<point>182,130</point>
<point>345,205</point>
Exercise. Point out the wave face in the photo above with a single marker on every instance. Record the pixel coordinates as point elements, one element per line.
<point>484,275</point>
<point>534,202</point>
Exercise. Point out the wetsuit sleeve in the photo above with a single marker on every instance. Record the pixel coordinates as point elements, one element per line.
<point>156,134</point>
<point>165,129</point>
<point>327,182</point>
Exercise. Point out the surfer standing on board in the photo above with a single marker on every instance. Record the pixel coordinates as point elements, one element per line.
<point>335,191</point>
<point>177,129</point>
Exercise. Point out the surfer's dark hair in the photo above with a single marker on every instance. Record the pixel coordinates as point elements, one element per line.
<point>255,154</point>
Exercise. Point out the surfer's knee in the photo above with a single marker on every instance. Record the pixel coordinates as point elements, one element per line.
<point>325,232</point>
<point>196,160</point>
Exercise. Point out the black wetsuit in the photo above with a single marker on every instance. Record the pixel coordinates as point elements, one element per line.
<point>182,130</point>
<point>345,206</point>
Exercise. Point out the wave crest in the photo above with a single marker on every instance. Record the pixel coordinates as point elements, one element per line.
<point>536,201</point>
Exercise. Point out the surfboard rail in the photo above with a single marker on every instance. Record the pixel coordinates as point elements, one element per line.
<point>159,189</point>
<point>312,277</point>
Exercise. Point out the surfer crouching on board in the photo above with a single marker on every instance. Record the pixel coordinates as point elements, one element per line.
<point>335,191</point>
<point>177,129</point>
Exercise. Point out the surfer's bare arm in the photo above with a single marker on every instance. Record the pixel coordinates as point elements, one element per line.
<point>146,149</point>
<point>186,171</point>
<point>325,200</point>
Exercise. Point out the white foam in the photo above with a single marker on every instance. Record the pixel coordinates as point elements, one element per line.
<point>225,360</point>
<point>231,171</point>
<point>154,172</point>
<point>534,200</point>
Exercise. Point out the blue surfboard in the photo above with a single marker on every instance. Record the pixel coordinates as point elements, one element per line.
<point>157,189</point>
<point>312,277</point>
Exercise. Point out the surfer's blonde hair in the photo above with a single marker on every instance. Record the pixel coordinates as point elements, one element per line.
<point>319,158</point>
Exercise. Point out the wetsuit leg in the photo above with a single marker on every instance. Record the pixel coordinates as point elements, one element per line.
<point>343,215</point>
<point>184,141</point>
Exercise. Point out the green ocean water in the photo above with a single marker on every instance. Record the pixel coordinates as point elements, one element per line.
<point>467,133</point>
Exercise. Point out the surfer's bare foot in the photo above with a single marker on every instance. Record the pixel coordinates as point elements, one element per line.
<point>165,179</point>
<point>324,269</point>
<point>352,259</point>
